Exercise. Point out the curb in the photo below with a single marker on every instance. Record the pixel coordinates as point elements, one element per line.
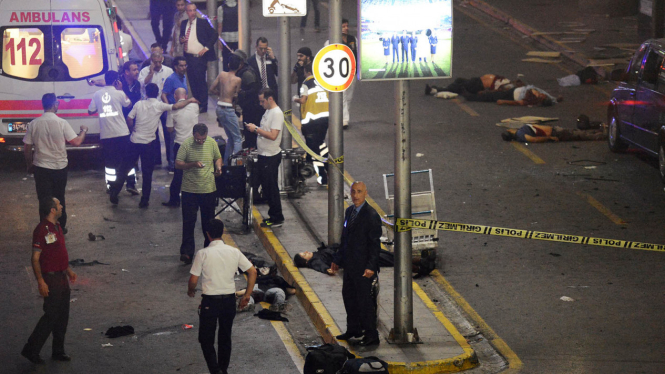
<point>528,31</point>
<point>326,326</point>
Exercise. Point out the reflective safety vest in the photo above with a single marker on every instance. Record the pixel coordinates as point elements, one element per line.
<point>316,106</point>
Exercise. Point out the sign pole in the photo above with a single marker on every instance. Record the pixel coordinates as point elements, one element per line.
<point>403,331</point>
<point>285,94</point>
<point>213,66</point>
<point>243,26</point>
<point>335,139</point>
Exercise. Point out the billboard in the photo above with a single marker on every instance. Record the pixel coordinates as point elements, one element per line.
<point>405,39</point>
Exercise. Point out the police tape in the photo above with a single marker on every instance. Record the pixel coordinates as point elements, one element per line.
<point>295,134</point>
<point>406,224</point>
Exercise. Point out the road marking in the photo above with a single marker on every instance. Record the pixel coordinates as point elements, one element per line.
<point>528,153</point>
<point>466,108</point>
<point>289,344</point>
<point>514,362</point>
<point>601,208</point>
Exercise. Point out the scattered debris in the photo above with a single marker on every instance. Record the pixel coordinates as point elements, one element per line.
<point>125,270</point>
<point>87,329</point>
<point>555,254</point>
<point>81,262</point>
<point>163,333</point>
<point>72,300</point>
<point>92,237</point>
<point>586,163</point>
<point>590,167</point>
<point>420,154</point>
<point>118,331</point>
<point>187,327</point>
<point>107,345</point>
<point>566,298</point>
<point>544,54</point>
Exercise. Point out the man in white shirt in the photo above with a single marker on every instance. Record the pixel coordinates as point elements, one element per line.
<point>180,122</point>
<point>48,135</point>
<point>157,73</point>
<point>217,265</point>
<point>147,114</point>
<point>270,155</point>
<point>113,130</point>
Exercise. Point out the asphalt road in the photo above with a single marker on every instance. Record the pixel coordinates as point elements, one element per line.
<point>613,326</point>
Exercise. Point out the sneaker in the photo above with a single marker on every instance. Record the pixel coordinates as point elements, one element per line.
<point>270,223</point>
<point>133,191</point>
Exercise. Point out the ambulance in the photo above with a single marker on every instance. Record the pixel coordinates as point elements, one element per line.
<point>54,46</point>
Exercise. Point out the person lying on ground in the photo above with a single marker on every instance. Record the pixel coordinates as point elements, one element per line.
<point>542,134</point>
<point>487,82</point>
<point>323,257</point>
<point>272,289</point>
<point>527,95</point>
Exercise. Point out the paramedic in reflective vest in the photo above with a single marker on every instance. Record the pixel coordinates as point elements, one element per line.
<point>113,130</point>
<point>314,119</point>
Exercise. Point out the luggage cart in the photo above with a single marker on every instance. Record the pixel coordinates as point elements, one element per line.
<point>235,184</point>
<point>423,206</point>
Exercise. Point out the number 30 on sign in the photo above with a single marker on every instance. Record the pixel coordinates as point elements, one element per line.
<point>334,67</point>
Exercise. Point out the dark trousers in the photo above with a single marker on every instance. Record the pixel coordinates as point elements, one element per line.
<point>212,310</point>
<point>191,203</point>
<point>460,85</point>
<point>226,54</point>
<point>176,183</point>
<point>136,150</point>
<point>491,96</point>
<point>268,169</point>
<point>164,9</point>
<point>315,133</point>
<point>168,144</point>
<point>114,150</point>
<point>252,115</point>
<point>55,318</point>
<point>317,16</point>
<point>50,182</point>
<point>196,71</point>
<point>413,54</point>
<point>395,54</point>
<point>360,297</point>
<point>405,55</point>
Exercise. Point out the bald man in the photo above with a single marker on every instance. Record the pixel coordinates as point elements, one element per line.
<point>359,256</point>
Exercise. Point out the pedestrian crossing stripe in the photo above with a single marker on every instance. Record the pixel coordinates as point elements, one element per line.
<point>406,224</point>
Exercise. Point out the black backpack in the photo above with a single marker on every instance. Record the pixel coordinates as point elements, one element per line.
<point>326,359</point>
<point>368,364</point>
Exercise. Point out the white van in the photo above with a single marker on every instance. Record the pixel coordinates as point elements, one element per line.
<point>53,46</point>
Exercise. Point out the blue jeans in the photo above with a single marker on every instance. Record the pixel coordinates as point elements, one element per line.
<point>226,117</point>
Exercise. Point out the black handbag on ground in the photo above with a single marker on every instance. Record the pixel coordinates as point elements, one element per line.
<point>368,364</point>
<point>326,359</point>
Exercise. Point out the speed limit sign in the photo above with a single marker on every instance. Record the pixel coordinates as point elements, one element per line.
<point>334,67</point>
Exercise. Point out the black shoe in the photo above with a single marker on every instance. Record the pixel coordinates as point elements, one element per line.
<point>349,335</point>
<point>133,191</point>
<point>369,341</point>
<point>203,110</point>
<point>32,357</point>
<point>171,204</point>
<point>114,197</point>
<point>428,89</point>
<point>143,204</point>
<point>61,357</point>
<point>186,259</point>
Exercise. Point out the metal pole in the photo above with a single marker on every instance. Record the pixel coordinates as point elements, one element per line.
<point>403,328</point>
<point>335,139</point>
<point>243,26</point>
<point>213,66</point>
<point>285,93</point>
<point>658,18</point>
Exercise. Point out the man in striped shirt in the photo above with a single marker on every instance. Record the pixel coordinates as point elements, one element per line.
<point>201,161</point>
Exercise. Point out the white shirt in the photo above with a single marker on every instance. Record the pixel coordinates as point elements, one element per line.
<point>193,45</point>
<point>147,113</point>
<point>183,121</point>
<point>258,64</point>
<point>48,134</point>
<point>216,265</point>
<point>109,102</point>
<point>272,119</point>
<point>158,78</point>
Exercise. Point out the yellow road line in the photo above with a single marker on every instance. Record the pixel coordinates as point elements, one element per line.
<point>514,362</point>
<point>289,344</point>
<point>466,108</point>
<point>601,208</point>
<point>528,153</point>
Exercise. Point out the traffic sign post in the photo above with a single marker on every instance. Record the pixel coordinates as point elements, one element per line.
<point>334,67</point>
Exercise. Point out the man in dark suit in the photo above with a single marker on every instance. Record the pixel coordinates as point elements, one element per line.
<point>359,256</point>
<point>264,62</point>
<point>198,39</point>
<point>404,40</point>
